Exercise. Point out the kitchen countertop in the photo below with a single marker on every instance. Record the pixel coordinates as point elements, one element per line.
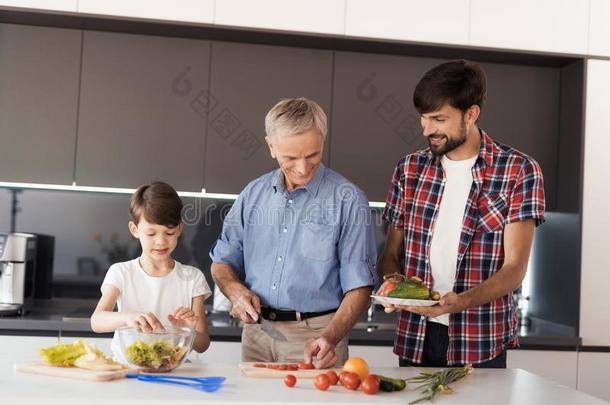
<point>483,386</point>
<point>69,317</point>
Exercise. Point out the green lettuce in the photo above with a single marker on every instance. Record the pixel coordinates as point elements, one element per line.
<point>63,355</point>
<point>152,355</point>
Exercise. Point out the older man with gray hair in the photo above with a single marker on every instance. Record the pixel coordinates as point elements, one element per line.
<point>296,254</point>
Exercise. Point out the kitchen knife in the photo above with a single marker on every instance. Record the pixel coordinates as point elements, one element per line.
<point>267,327</point>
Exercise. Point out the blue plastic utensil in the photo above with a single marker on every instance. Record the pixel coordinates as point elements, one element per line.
<point>207,384</point>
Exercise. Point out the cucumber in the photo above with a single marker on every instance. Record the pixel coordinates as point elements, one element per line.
<point>387,384</point>
<point>411,291</point>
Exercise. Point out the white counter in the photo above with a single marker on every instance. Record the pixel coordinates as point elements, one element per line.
<point>481,387</point>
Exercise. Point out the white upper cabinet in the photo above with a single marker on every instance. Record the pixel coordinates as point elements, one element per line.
<point>201,11</point>
<point>537,25</point>
<point>437,21</point>
<point>322,16</point>
<point>599,29</point>
<point>595,261</point>
<point>56,5</point>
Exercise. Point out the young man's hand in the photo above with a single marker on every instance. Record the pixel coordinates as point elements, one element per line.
<point>183,317</point>
<point>143,321</point>
<point>448,304</point>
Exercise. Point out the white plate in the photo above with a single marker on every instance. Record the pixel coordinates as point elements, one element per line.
<point>378,299</point>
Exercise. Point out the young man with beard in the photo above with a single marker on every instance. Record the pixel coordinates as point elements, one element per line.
<point>462,215</point>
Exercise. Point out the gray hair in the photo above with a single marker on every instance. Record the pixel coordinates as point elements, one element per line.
<point>293,116</point>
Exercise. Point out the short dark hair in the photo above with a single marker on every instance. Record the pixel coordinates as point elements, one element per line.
<point>158,203</point>
<point>460,83</point>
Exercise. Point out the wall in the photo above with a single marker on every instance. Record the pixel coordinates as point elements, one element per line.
<point>595,283</point>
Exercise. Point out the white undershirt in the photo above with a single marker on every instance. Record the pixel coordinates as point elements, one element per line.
<point>448,226</point>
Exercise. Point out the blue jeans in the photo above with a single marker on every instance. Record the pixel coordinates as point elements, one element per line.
<point>436,344</point>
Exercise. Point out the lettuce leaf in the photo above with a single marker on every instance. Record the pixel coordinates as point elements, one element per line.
<point>152,355</point>
<point>63,355</point>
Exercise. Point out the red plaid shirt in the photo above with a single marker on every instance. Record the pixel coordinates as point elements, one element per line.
<point>507,187</point>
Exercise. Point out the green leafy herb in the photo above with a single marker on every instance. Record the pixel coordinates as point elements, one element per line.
<point>433,383</point>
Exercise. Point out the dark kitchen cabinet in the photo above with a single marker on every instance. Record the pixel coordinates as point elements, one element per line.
<point>375,123</point>
<point>138,120</point>
<point>39,74</point>
<point>246,81</point>
<point>522,110</point>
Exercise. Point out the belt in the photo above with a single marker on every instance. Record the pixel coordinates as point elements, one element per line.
<point>273,314</point>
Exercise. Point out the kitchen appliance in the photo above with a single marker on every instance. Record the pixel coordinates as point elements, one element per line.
<point>17,272</point>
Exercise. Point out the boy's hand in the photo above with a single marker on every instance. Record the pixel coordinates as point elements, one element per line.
<point>144,322</point>
<point>183,317</point>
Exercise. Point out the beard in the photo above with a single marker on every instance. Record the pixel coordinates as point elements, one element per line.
<point>450,143</point>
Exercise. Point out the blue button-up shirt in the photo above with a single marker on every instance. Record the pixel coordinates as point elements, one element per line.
<point>300,250</point>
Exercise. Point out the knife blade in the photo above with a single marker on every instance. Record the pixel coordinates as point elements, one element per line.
<point>267,327</point>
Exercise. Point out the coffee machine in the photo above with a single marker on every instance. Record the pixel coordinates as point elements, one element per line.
<point>17,272</point>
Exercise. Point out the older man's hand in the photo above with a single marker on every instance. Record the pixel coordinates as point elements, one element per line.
<point>246,304</point>
<point>322,350</point>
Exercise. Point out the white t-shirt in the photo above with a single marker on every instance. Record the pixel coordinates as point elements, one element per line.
<point>448,226</point>
<point>159,295</point>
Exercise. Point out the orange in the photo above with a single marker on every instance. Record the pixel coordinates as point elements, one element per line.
<point>358,366</point>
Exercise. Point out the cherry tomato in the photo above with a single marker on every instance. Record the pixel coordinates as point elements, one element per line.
<point>322,382</point>
<point>342,376</point>
<point>259,365</point>
<point>305,366</point>
<point>386,287</point>
<point>291,367</point>
<point>351,381</point>
<point>290,380</point>
<point>282,367</point>
<point>370,384</point>
<point>333,377</point>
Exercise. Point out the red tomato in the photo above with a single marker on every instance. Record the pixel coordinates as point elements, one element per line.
<point>370,384</point>
<point>282,367</point>
<point>290,380</point>
<point>322,382</point>
<point>305,366</point>
<point>259,365</point>
<point>351,381</point>
<point>386,287</point>
<point>291,367</point>
<point>342,376</point>
<point>334,378</point>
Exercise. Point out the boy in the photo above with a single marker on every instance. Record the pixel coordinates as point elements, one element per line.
<point>153,287</point>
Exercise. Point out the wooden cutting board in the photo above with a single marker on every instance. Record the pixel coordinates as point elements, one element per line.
<point>71,372</point>
<point>249,370</point>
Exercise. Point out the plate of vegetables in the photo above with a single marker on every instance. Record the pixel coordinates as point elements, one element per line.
<point>398,289</point>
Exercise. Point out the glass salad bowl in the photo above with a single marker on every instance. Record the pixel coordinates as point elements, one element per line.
<point>157,351</point>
